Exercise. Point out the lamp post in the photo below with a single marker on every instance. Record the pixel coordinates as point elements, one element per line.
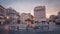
<point>7,17</point>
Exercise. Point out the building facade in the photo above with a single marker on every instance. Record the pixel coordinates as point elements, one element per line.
<point>25,16</point>
<point>9,16</point>
<point>13,16</point>
<point>39,13</point>
<point>2,15</point>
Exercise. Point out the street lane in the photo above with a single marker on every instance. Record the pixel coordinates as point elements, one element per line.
<point>53,29</point>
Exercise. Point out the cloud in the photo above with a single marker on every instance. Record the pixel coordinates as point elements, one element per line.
<point>28,5</point>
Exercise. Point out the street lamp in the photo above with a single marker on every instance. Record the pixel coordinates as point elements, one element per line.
<point>8,17</point>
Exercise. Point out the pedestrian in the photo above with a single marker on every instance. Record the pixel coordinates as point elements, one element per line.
<point>48,25</point>
<point>17,27</point>
<point>27,28</point>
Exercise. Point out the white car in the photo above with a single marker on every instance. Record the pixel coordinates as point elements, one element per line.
<point>17,26</point>
<point>40,25</point>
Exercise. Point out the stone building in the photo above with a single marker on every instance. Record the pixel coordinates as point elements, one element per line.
<point>40,13</point>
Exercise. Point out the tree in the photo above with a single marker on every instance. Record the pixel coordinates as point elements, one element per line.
<point>58,14</point>
<point>52,18</point>
<point>28,20</point>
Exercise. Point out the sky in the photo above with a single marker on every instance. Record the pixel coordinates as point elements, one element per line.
<point>27,6</point>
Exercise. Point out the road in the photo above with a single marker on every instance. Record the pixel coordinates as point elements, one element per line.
<point>53,29</point>
<point>29,32</point>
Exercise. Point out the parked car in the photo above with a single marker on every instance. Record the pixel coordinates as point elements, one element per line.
<point>40,25</point>
<point>57,21</point>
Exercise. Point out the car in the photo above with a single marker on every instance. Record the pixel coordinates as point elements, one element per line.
<point>40,25</point>
<point>57,21</point>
